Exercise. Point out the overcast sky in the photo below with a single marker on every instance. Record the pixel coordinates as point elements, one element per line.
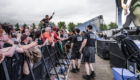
<point>32,11</point>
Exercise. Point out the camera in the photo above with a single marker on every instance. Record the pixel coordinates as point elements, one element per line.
<point>14,34</point>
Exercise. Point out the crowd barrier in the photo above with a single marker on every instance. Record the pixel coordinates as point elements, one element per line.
<point>11,67</point>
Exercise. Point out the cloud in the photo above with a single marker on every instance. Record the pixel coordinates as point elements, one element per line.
<point>32,11</point>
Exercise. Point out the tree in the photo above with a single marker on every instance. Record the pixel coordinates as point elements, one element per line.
<point>34,26</point>
<point>40,24</point>
<point>71,26</point>
<point>78,24</point>
<point>24,25</point>
<point>103,27</point>
<point>113,25</point>
<point>17,26</point>
<point>62,24</point>
<point>53,23</point>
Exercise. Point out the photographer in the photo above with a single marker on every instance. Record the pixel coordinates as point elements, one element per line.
<point>46,21</point>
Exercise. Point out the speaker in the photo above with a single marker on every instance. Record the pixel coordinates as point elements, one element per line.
<point>103,48</point>
<point>117,59</point>
<point>134,37</point>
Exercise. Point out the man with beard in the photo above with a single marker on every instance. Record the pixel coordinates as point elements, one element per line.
<point>89,52</point>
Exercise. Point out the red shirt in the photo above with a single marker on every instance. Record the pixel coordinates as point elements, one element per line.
<point>46,35</point>
<point>55,36</point>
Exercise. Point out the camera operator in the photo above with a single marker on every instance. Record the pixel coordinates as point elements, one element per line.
<point>46,20</point>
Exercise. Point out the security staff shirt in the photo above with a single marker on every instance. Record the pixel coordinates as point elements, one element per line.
<point>91,38</point>
<point>77,40</point>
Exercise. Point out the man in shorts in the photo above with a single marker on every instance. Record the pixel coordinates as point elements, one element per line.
<point>75,46</point>
<point>89,53</point>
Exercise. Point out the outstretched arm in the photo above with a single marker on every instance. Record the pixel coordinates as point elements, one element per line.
<point>53,14</point>
<point>9,51</point>
<point>25,47</point>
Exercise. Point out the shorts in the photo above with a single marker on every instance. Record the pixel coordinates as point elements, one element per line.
<point>89,55</point>
<point>75,55</point>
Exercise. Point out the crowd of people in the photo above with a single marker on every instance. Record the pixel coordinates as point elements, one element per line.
<point>101,35</point>
<point>18,40</point>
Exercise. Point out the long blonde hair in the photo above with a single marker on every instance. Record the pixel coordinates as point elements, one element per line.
<point>1,31</point>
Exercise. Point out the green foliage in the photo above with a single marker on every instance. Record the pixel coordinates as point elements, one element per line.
<point>71,26</point>
<point>53,24</point>
<point>34,26</point>
<point>103,27</point>
<point>24,25</point>
<point>40,24</point>
<point>62,24</point>
<point>17,26</point>
<point>113,25</point>
<point>78,24</point>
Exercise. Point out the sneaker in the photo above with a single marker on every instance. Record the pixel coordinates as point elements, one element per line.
<point>77,68</point>
<point>92,75</point>
<point>73,70</point>
<point>87,77</point>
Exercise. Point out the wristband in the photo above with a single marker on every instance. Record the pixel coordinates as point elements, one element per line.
<point>16,42</point>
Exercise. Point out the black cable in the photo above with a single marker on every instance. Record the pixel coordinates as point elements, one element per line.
<point>126,62</point>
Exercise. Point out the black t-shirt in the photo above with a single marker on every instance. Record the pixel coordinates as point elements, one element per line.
<point>105,36</point>
<point>77,40</point>
<point>91,38</point>
<point>7,45</point>
<point>101,36</point>
<point>46,21</point>
<point>40,42</point>
<point>22,43</point>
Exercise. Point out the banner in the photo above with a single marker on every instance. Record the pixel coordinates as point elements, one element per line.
<point>128,13</point>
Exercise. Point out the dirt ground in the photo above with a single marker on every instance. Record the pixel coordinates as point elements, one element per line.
<point>102,69</point>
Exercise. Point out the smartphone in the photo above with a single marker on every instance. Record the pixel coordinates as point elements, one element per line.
<point>36,39</point>
<point>47,42</point>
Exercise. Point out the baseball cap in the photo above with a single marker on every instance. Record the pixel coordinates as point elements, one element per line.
<point>54,28</point>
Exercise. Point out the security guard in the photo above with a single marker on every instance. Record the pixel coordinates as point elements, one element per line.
<point>89,53</point>
<point>75,47</point>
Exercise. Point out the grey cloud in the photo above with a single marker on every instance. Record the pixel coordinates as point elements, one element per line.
<point>32,11</point>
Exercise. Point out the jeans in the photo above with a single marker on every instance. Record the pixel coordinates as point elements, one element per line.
<point>50,25</point>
